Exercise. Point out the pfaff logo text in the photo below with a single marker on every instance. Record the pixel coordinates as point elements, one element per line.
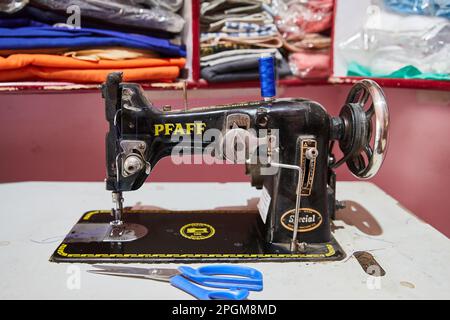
<point>168,129</point>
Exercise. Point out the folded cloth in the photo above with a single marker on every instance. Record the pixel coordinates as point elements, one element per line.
<point>251,34</point>
<point>274,41</point>
<point>310,41</point>
<point>17,61</point>
<point>171,5</point>
<point>234,55</point>
<point>59,37</point>
<point>234,27</point>
<point>208,49</point>
<point>110,54</point>
<point>52,67</point>
<point>241,70</point>
<point>58,51</point>
<point>11,6</point>
<point>299,17</point>
<point>155,18</point>
<point>228,6</point>
<point>213,11</point>
<point>19,22</point>
<point>53,17</point>
<point>234,58</point>
<point>407,72</point>
<point>161,74</point>
<point>262,18</point>
<point>310,65</point>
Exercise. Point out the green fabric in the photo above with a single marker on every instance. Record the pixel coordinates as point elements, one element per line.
<point>407,72</point>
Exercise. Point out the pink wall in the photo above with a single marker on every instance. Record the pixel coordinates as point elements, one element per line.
<point>60,137</point>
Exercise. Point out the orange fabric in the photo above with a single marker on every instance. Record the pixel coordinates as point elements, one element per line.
<point>52,67</point>
<point>89,76</point>
<point>54,61</point>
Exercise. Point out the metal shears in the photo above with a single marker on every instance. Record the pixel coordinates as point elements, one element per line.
<point>238,280</point>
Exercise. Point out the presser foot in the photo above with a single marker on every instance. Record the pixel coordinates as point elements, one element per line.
<point>126,232</point>
<point>84,232</point>
<point>117,229</point>
<point>208,236</point>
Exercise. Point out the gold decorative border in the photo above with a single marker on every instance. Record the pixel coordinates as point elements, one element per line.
<point>61,252</point>
<point>88,215</point>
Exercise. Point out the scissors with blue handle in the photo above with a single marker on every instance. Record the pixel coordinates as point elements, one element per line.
<point>238,280</point>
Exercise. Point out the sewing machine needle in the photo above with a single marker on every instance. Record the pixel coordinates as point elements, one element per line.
<point>185,95</point>
<point>117,223</point>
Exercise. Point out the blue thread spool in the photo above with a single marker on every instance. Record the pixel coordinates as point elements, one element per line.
<point>267,76</point>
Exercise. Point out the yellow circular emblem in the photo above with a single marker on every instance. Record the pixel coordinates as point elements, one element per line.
<point>197,231</point>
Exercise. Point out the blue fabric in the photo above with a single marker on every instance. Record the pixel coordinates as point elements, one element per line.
<point>440,8</point>
<point>19,22</point>
<point>57,37</point>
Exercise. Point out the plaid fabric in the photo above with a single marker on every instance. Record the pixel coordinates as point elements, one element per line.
<point>206,50</point>
<point>234,26</point>
<point>254,34</point>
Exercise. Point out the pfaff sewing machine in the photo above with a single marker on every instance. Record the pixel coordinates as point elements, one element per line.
<point>286,146</point>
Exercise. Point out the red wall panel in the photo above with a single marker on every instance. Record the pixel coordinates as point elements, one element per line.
<point>60,137</point>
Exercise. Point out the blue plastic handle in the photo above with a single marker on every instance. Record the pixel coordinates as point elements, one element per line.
<point>225,276</point>
<point>187,286</point>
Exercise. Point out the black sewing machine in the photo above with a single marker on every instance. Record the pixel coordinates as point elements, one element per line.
<point>286,146</point>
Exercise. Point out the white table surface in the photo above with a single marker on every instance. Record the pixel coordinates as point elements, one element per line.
<point>36,216</point>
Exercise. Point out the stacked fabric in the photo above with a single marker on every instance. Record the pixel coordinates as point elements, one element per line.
<point>39,40</point>
<point>406,39</point>
<point>236,32</point>
<point>305,27</point>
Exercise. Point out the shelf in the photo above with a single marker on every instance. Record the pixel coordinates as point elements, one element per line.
<point>196,83</point>
<point>202,84</point>
<point>396,83</point>
<point>63,87</point>
<point>285,82</point>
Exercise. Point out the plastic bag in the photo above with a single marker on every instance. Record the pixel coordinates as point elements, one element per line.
<point>170,5</point>
<point>439,8</point>
<point>309,41</point>
<point>156,18</point>
<point>310,64</point>
<point>300,17</point>
<point>11,6</point>
<point>388,42</point>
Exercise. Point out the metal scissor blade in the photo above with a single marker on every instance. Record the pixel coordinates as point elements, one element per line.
<point>118,274</point>
<point>147,273</point>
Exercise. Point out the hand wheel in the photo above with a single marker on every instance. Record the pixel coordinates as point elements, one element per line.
<point>365,102</point>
